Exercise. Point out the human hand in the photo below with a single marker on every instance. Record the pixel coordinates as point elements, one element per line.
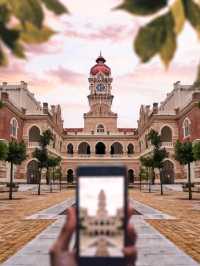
<point>61,256</point>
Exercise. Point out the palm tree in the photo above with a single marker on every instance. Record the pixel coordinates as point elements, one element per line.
<point>15,156</point>
<point>185,156</point>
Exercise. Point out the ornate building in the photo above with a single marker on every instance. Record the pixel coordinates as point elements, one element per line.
<point>100,141</point>
<point>102,228</point>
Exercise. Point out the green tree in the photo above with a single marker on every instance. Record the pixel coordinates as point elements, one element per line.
<point>52,162</point>
<point>159,35</point>
<point>29,25</point>
<point>196,150</point>
<point>15,156</point>
<point>1,104</point>
<point>148,163</point>
<point>41,153</point>
<point>143,175</point>
<point>185,156</point>
<point>3,150</point>
<point>158,154</point>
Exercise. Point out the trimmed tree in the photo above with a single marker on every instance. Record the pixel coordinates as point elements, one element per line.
<point>1,104</point>
<point>52,162</point>
<point>142,175</point>
<point>159,154</point>
<point>3,150</point>
<point>41,153</point>
<point>185,156</point>
<point>15,156</point>
<point>196,150</point>
<point>148,163</point>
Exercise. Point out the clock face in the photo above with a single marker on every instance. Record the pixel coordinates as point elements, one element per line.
<point>100,87</point>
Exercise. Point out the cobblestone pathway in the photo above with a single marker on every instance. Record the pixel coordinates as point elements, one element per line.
<point>154,249</point>
<point>184,231</point>
<point>15,231</point>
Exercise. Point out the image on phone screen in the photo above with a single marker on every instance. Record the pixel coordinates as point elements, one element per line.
<point>101,213</point>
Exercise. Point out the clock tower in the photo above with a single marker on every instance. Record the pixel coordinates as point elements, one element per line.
<point>100,100</point>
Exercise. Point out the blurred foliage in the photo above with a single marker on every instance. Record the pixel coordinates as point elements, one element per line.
<point>22,21</point>
<point>159,36</point>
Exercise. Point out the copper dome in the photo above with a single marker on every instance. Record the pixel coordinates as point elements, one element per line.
<point>100,67</point>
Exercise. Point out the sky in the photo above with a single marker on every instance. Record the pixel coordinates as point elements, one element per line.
<point>57,71</point>
<point>89,197</point>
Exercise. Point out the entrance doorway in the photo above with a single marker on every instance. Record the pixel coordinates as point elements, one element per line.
<point>167,172</point>
<point>32,172</point>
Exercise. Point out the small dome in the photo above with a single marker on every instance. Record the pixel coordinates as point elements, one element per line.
<point>100,67</point>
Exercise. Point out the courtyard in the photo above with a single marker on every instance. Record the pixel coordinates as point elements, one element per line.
<point>30,218</point>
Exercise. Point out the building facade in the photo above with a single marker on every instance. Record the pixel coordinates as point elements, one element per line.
<point>100,141</point>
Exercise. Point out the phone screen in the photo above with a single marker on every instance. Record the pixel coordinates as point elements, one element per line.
<point>101,216</point>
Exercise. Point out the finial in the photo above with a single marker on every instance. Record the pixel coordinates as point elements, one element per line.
<point>100,54</point>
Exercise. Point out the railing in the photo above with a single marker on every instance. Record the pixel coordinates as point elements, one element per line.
<point>99,156</point>
<point>168,144</point>
<point>150,148</point>
<point>33,144</point>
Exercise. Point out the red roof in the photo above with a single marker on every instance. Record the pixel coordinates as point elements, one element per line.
<point>100,68</point>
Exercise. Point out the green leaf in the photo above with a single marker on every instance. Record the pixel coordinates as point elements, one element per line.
<point>31,34</point>
<point>3,58</point>
<point>28,10</point>
<point>169,47</point>
<point>197,81</point>
<point>4,13</point>
<point>18,50</point>
<point>9,36</point>
<point>142,7</point>
<point>55,6</point>
<point>157,37</point>
<point>178,13</point>
<point>192,11</point>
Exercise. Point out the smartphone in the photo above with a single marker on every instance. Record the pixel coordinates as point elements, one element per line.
<point>102,215</point>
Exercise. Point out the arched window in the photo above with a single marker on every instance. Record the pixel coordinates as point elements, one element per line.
<point>70,149</point>
<point>34,134</point>
<point>166,134</point>
<point>131,176</point>
<point>186,127</point>
<point>130,149</point>
<point>84,148</point>
<point>100,148</point>
<point>70,176</point>
<point>100,129</point>
<point>13,127</point>
<point>116,148</point>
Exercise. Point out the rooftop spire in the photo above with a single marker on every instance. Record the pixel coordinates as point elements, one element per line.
<point>100,58</point>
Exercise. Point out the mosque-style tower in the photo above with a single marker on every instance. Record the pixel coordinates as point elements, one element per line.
<point>102,211</point>
<point>100,119</point>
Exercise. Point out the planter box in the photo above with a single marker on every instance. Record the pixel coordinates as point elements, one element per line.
<point>194,189</point>
<point>6,189</point>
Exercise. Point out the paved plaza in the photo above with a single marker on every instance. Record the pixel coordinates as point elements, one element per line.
<point>153,247</point>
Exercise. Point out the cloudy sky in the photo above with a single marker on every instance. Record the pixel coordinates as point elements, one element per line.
<point>57,71</point>
<point>89,197</point>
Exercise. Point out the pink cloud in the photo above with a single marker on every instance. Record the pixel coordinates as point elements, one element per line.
<point>110,32</point>
<point>67,76</point>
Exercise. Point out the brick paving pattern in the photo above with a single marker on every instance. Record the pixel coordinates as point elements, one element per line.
<point>184,231</point>
<point>15,231</point>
